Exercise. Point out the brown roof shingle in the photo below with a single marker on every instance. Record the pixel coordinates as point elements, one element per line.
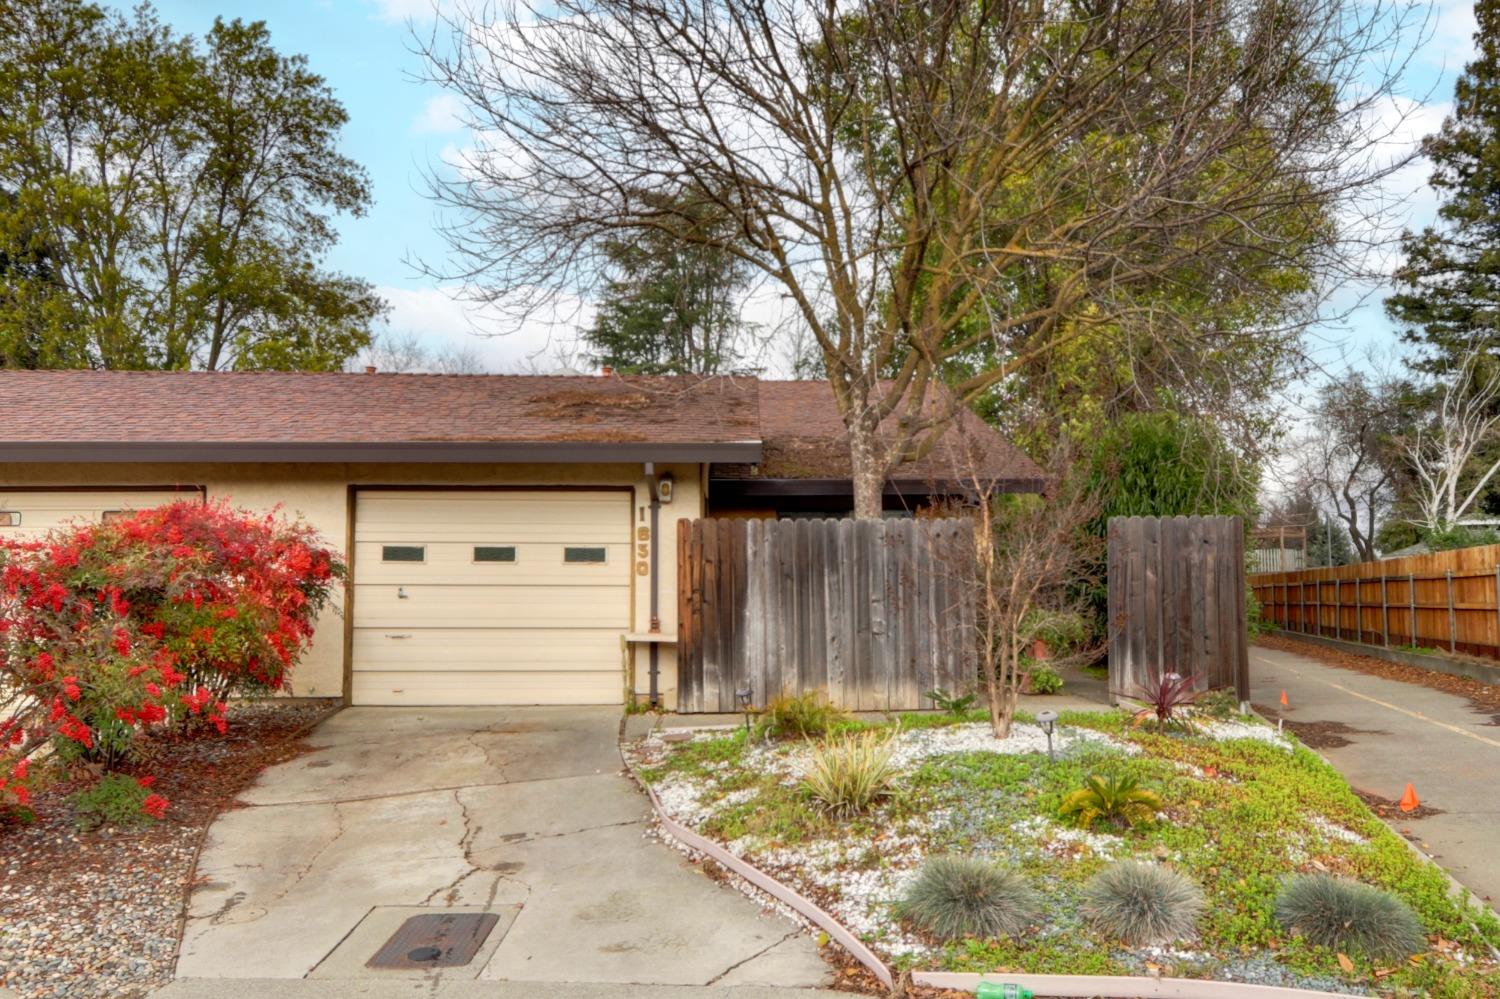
<point>748,428</point>
<point>805,439</point>
<point>313,408</point>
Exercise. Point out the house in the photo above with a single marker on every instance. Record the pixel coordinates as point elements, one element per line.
<point>511,538</point>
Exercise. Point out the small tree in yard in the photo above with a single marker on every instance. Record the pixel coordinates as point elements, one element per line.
<point>110,631</point>
<point>1030,554</point>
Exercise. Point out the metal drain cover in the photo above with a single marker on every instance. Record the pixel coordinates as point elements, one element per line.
<point>442,940</point>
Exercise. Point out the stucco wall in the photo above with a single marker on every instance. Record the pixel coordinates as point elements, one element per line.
<point>320,495</point>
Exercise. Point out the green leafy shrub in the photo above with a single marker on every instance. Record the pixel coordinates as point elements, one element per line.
<point>954,897</point>
<point>1220,704</point>
<point>1064,632</point>
<point>799,716</point>
<point>1045,679</point>
<point>1120,801</point>
<point>850,775</point>
<point>957,705</point>
<point>117,800</point>
<point>1347,915</point>
<point>1142,903</point>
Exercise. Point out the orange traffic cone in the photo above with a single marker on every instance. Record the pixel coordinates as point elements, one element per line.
<point>1283,699</point>
<point>1409,800</point>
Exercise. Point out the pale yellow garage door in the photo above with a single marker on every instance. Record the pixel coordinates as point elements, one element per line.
<point>29,513</point>
<point>490,597</point>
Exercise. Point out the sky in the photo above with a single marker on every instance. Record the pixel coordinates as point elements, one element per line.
<point>399,126</point>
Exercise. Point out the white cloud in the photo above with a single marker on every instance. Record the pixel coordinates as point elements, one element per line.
<point>443,114</point>
<point>441,318</point>
<point>401,11</point>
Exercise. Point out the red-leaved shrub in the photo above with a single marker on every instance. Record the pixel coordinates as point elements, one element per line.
<point>109,630</point>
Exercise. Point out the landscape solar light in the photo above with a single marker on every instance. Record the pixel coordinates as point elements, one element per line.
<point>744,694</point>
<point>1048,721</point>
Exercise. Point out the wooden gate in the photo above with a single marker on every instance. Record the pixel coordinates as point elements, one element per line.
<point>1177,603</point>
<point>875,613</point>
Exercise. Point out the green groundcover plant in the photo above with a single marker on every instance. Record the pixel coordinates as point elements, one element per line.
<point>1238,817</point>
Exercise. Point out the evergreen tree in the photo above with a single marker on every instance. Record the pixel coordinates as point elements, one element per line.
<point>672,305</point>
<point>1449,298</point>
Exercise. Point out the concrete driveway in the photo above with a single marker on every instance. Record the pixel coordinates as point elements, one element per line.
<point>519,812</point>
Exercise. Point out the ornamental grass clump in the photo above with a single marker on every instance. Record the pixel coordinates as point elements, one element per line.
<point>1141,903</point>
<point>956,897</point>
<point>1349,916</point>
<point>799,716</point>
<point>849,775</point>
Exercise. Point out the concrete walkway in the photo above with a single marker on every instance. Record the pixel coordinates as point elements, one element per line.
<point>519,812</point>
<point>1399,732</point>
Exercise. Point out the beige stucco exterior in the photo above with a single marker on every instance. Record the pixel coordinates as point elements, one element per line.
<point>320,494</point>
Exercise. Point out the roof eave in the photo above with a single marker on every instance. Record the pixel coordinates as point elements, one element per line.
<point>416,452</point>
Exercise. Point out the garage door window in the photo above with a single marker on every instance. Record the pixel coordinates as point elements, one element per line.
<point>10,518</point>
<point>494,553</point>
<point>584,556</point>
<point>403,553</point>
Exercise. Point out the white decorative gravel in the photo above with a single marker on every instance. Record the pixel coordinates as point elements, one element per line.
<point>915,745</point>
<point>1335,831</point>
<point>1230,729</point>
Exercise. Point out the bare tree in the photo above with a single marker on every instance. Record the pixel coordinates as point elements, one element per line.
<point>1351,453</point>
<point>927,181</point>
<point>1464,421</point>
<point>1030,556</point>
<point>409,353</point>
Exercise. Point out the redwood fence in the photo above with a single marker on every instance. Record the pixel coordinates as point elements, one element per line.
<point>1177,603</point>
<point>1446,600</point>
<point>875,613</point>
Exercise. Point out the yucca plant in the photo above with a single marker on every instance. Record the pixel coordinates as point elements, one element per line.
<point>1142,903</point>
<point>954,897</point>
<point>1121,801</point>
<point>1349,916</point>
<point>849,775</point>
<point>1169,700</point>
<point>799,716</point>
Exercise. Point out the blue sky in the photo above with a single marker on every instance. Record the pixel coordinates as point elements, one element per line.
<point>398,126</point>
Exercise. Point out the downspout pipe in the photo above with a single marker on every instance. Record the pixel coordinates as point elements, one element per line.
<point>655,653</point>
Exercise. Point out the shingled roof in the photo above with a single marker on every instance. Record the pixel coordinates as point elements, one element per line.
<point>748,429</point>
<point>804,438</point>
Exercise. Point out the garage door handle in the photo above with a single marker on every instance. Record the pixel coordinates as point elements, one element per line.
<point>397,636</point>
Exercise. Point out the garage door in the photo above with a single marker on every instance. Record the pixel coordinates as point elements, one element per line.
<point>477,597</point>
<point>29,514</point>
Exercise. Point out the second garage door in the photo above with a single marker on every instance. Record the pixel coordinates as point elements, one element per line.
<point>490,597</point>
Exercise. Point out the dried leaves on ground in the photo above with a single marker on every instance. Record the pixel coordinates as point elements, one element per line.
<point>98,913</point>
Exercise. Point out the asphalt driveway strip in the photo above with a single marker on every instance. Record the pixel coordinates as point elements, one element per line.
<point>522,812</point>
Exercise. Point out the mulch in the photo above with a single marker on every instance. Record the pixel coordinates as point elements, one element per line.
<point>98,913</point>
<point>1484,697</point>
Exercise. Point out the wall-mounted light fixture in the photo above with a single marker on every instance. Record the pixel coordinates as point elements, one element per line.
<point>664,487</point>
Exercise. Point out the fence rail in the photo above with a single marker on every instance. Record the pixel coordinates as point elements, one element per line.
<point>873,613</point>
<point>1448,600</point>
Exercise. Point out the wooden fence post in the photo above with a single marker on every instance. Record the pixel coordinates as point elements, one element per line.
<point>1452,616</point>
<point>1385,610</point>
<point>1318,604</point>
<point>1338,610</point>
<point>1497,610</point>
<point>1359,613</point>
<point>1411,597</point>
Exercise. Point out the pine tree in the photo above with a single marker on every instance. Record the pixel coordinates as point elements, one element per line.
<point>1449,300</point>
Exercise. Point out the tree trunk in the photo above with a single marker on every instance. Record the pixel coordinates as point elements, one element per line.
<point>867,470</point>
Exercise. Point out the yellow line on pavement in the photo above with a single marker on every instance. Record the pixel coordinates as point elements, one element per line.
<point>1384,704</point>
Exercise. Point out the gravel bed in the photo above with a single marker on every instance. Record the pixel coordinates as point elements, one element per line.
<point>98,913</point>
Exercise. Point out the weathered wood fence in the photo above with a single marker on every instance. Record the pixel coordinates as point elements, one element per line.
<point>1177,603</point>
<point>876,613</point>
<point>1446,600</point>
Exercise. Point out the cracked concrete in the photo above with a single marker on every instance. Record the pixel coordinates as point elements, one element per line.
<point>516,810</point>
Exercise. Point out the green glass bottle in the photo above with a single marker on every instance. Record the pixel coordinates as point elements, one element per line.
<point>1002,990</point>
